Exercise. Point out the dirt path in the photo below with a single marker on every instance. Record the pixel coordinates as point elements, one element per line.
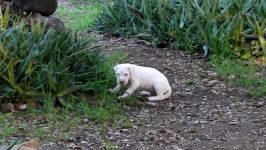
<point>202,113</point>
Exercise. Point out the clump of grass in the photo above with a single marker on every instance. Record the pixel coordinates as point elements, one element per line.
<point>6,128</point>
<point>78,16</point>
<point>246,75</point>
<point>189,82</point>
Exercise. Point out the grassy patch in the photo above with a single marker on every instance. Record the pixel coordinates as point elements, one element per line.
<point>109,145</point>
<point>6,128</point>
<point>189,82</point>
<point>242,74</point>
<point>78,16</point>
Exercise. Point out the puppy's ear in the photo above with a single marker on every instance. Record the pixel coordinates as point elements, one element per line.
<point>115,68</point>
<point>131,69</point>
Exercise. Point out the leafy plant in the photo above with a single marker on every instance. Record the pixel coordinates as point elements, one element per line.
<point>39,65</point>
<point>217,27</point>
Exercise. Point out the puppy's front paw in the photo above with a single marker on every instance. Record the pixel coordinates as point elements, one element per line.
<point>111,90</point>
<point>123,96</point>
<point>154,98</point>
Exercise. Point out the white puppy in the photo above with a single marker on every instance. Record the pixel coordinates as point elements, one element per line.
<point>148,79</point>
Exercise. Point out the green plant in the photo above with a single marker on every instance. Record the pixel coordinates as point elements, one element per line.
<point>240,74</point>
<point>6,128</point>
<point>85,13</point>
<point>218,27</point>
<point>39,65</point>
<point>189,82</point>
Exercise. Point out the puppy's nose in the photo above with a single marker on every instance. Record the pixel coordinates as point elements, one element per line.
<point>121,82</point>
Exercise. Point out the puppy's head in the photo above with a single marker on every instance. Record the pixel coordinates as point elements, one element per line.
<point>123,73</point>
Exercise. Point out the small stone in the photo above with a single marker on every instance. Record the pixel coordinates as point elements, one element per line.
<point>211,73</point>
<point>234,122</point>
<point>230,90</point>
<point>21,107</point>
<point>188,93</point>
<point>205,80</point>
<point>171,106</point>
<point>213,82</point>
<point>125,140</point>
<point>176,147</point>
<point>124,130</point>
<point>232,77</point>
<point>9,107</point>
<point>260,104</point>
<point>71,145</point>
<point>151,104</point>
<point>85,120</point>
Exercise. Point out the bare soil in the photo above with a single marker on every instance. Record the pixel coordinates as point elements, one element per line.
<point>202,113</point>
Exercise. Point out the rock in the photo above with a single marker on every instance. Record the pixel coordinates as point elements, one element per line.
<point>230,90</point>
<point>171,106</point>
<point>151,104</point>
<point>85,120</point>
<point>205,80</point>
<point>260,104</point>
<point>6,108</point>
<point>234,122</point>
<point>20,107</point>
<point>50,21</point>
<point>213,82</point>
<point>33,144</point>
<point>188,93</point>
<point>232,77</point>
<point>176,147</point>
<point>71,145</point>
<point>211,73</point>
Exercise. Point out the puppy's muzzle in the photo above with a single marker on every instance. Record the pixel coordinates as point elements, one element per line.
<point>123,82</point>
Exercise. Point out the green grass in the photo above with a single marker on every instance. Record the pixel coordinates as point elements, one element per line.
<point>189,82</point>
<point>245,74</point>
<point>78,16</point>
<point>6,127</point>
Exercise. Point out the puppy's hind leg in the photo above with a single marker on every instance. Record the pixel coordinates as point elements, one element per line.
<point>156,98</point>
<point>162,92</point>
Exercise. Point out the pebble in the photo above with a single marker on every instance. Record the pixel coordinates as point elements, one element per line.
<point>232,77</point>
<point>213,82</point>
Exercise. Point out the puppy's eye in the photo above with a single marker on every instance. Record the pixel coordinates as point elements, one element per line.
<point>118,74</point>
<point>126,74</point>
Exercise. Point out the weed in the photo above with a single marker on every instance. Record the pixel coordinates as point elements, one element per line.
<point>109,145</point>
<point>189,82</point>
<point>244,75</point>
<point>79,17</point>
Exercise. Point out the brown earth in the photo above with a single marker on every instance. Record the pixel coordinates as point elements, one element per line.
<point>202,113</point>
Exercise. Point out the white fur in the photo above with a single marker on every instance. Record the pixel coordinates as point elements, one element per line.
<point>148,79</point>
